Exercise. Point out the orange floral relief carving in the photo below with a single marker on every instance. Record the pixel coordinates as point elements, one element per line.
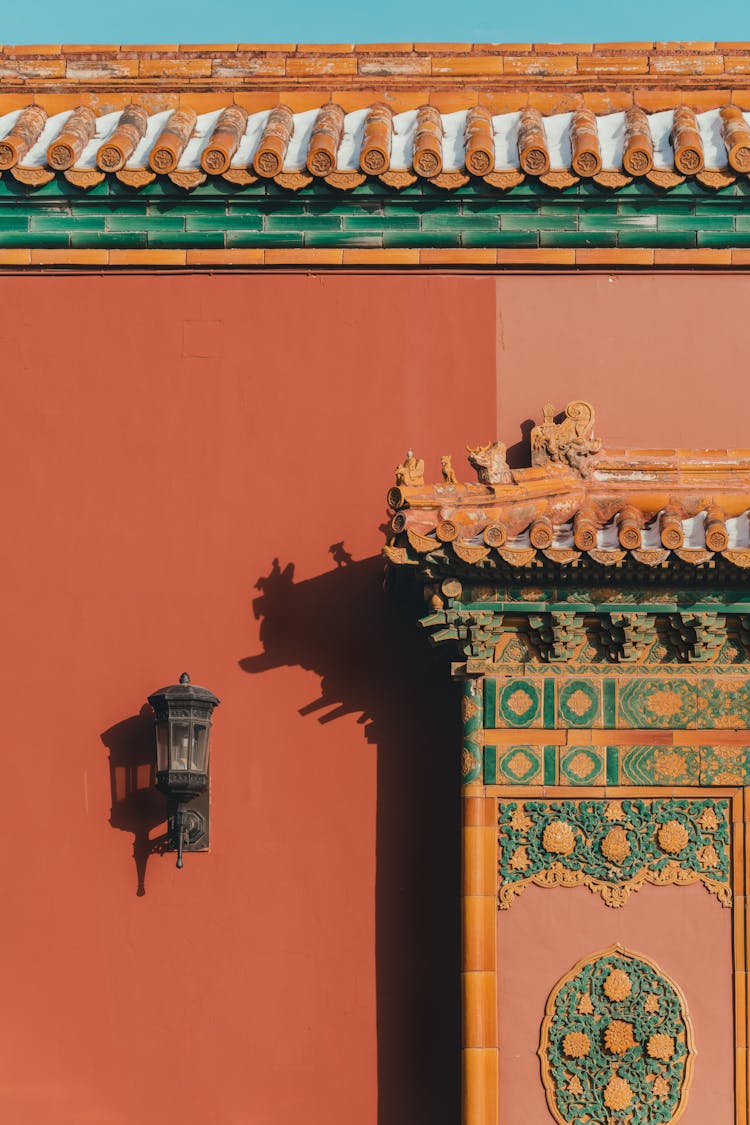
<point>672,837</point>
<point>618,1037</point>
<point>558,837</point>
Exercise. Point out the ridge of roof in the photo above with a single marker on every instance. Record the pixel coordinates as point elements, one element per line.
<point>577,500</point>
<point>428,66</point>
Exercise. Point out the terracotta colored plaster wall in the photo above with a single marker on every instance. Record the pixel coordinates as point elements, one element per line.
<point>165,439</point>
<point>648,350</point>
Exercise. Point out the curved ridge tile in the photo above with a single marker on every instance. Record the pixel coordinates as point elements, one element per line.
<point>36,157</point>
<point>709,126</point>
<point>296,155</point>
<point>557,128</point>
<point>190,159</point>
<point>105,127</point>
<point>156,123</point>
<point>402,147</point>
<point>505,134</point>
<point>351,141</point>
<point>660,125</point>
<point>454,127</point>
<point>248,146</point>
<point>611,129</point>
<point>612,141</point>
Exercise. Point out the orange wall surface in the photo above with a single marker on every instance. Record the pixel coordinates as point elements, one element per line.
<point>165,439</point>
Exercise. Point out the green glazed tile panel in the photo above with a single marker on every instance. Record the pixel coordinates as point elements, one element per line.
<point>649,702</point>
<point>725,765</point>
<point>519,704</point>
<point>580,703</point>
<point>723,703</point>
<point>624,702</point>
<point>642,766</point>
<point>548,714</point>
<point>613,766</point>
<point>490,703</point>
<point>583,765</point>
<point>520,765</point>
<point>218,214</point>
<point>659,765</point>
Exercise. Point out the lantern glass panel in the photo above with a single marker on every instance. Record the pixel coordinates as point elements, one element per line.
<point>162,747</point>
<point>180,750</point>
<point>199,761</point>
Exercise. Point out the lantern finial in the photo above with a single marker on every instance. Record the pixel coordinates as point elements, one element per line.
<point>184,678</point>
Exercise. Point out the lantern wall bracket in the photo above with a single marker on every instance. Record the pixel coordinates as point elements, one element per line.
<point>195,826</point>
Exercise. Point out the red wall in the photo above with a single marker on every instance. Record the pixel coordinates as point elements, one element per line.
<point>165,439</point>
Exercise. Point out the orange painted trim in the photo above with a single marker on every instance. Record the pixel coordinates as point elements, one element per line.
<point>622,256</point>
<point>693,257</point>
<point>741,880</point>
<point>486,257</point>
<point>381,257</point>
<point>457,256</point>
<point>15,257</point>
<point>480,1056</point>
<point>235,257</point>
<point>500,736</point>
<point>303,257</point>
<point>69,257</point>
<point>147,257</point>
<point>573,792</point>
<point>480,1078</point>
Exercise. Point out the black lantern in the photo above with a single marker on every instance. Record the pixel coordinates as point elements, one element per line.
<point>183,737</point>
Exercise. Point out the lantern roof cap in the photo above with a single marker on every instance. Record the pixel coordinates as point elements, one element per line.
<point>183,692</point>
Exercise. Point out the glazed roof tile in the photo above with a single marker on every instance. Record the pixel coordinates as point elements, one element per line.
<point>444,112</point>
<point>576,501</point>
<point>448,148</point>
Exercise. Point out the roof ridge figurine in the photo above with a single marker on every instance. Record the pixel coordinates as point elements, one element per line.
<point>570,442</point>
<point>411,472</point>
<point>446,467</point>
<point>490,463</point>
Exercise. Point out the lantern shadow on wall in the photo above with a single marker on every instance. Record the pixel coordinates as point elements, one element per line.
<point>374,662</point>
<point>137,805</point>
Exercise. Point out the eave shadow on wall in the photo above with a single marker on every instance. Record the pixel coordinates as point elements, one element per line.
<point>374,662</point>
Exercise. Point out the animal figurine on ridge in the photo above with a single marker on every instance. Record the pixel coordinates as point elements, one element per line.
<point>489,462</point>
<point>449,473</point>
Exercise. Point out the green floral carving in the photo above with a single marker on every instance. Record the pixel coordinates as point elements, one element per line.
<point>614,846</point>
<point>616,1043</point>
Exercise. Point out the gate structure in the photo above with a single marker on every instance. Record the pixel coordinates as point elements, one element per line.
<point>599,606</point>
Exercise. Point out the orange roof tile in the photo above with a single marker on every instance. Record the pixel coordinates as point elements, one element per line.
<point>576,499</point>
<point>685,90</point>
<point>466,138</point>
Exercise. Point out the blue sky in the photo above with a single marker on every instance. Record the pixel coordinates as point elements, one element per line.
<point>207,21</point>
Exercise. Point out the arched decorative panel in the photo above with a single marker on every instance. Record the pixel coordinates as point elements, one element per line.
<point>616,1043</point>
